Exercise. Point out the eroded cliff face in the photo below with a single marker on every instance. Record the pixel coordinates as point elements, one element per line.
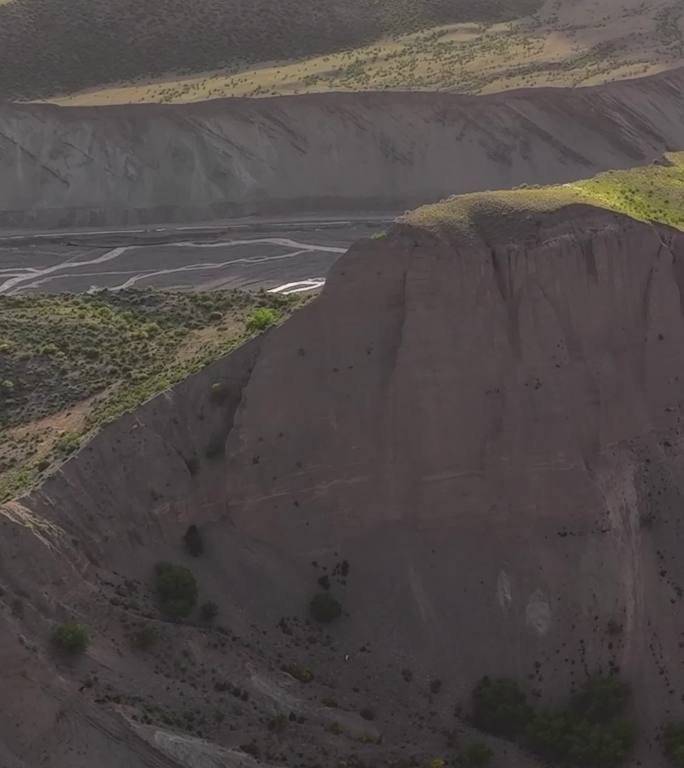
<point>364,151</point>
<point>486,428</point>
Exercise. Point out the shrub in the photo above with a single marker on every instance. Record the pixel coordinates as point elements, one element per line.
<point>477,755</point>
<point>591,731</point>
<point>209,610</point>
<point>601,698</point>
<point>144,637</point>
<point>367,713</point>
<point>71,638</point>
<point>325,608</point>
<point>261,318</point>
<point>176,589</point>
<point>219,391</point>
<point>500,707</point>
<point>567,737</point>
<point>302,674</point>
<point>67,444</point>
<point>193,541</point>
<point>673,743</point>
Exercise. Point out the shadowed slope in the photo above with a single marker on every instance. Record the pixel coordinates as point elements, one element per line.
<point>485,427</point>
<point>65,166</point>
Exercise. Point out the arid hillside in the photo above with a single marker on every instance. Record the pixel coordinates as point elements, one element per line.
<point>49,46</point>
<point>472,441</point>
<point>66,166</point>
<point>576,43</point>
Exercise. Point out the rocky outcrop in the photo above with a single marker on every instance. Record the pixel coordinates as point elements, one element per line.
<point>321,152</point>
<point>486,429</point>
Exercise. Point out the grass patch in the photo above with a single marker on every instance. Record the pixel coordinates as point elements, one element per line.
<point>70,638</point>
<point>653,193</point>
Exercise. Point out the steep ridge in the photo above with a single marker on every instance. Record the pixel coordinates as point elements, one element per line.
<point>113,165</point>
<point>481,415</point>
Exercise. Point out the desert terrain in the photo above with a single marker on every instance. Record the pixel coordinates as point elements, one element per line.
<point>566,435</point>
<point>341,367</point>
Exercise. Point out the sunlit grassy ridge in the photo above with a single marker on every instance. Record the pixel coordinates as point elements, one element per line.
<point>651,193</point>
<point>70,363</point>
<point>57,46</point>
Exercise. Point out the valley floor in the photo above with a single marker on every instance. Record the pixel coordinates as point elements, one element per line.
<point>284,256</point>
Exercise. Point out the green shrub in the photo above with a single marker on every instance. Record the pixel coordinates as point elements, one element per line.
<point>673,743</point>
<point>193,541</point>
<point>500,707</point>
<point>176,589</point>
<point>325,608</point>
<point>565,736</point>
<point>144,637</point>
<point>67,444</point>
<point>300,673</point>
<point>209,610</point>
<point>261,318</point>
<point>477,755</point>
<point>601,698</point>
<point>71,638</point>
<point>590,731</point>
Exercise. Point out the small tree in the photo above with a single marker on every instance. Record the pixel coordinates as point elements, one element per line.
<point>325,608</point>
<point>71,638</point>
<point>193,541</point>
<point>176,589</point>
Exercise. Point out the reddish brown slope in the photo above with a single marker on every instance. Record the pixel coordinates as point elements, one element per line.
<point>485,423</point>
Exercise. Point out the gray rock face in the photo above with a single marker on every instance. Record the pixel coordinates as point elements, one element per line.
<point>486,428</point>
<point>364,151</point>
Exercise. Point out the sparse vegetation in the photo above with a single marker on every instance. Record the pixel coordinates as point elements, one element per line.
<point>590,731</point>
<point>653,193</point>
<point>303,674</point>
<point>176,589</point>
<point>477,754</point>
<point>673,743</point>
<point>144,637</point>
<point>325,608</point>
<point>116,47</point>
<point>71,363</point>
<point>71,638</point>
<point>500,707</point>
